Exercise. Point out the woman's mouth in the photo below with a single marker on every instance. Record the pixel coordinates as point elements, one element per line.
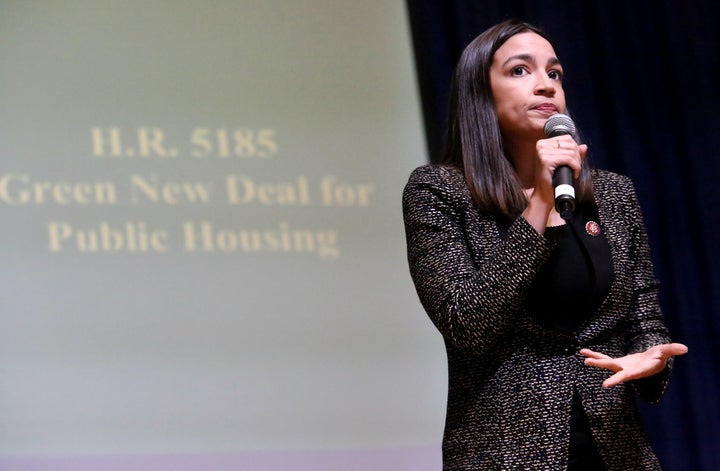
<point>546,108</point>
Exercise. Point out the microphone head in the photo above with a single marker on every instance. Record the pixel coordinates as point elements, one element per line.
<point>559,124</point>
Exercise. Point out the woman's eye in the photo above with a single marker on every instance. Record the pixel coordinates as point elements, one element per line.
<point>518,71</point>
<point>555,75</point>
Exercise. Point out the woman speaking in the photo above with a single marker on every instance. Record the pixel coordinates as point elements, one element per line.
<point>551,324</point>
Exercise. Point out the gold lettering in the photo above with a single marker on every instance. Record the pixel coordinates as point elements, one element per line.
<point>19,189</point>
<point>243,190</point>
<point>106,137</point>
<point>171,193</point>
<point>335,193</point>
<point>243,143</point>
<point>151,141</point>
<point>130,237</point>
<point>57,234</point>
<point>205,238</point>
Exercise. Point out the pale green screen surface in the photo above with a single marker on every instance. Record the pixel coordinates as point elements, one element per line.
<point>202,239</point>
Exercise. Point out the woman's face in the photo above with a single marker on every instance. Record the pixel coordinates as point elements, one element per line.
<point>526,84</point>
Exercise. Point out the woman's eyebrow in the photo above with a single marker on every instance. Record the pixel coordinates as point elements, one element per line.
<point>530,58</point>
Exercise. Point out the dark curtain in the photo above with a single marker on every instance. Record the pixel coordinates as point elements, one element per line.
<point>642,80</point>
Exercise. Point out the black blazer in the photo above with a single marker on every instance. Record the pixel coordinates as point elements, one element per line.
<point>511,380</point>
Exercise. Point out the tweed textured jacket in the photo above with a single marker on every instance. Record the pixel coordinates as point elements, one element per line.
<point>511,380</point>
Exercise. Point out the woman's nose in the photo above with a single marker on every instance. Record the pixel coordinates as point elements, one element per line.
<point>544,85</point>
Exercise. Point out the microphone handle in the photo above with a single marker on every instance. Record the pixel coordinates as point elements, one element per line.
<point>564,191</point>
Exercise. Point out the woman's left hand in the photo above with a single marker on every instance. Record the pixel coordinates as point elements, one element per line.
<point>635,366</point>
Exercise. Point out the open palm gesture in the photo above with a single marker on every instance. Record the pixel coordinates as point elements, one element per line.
<point>634,366</point>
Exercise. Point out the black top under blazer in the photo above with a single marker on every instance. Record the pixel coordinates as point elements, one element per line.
<point>511,380</point>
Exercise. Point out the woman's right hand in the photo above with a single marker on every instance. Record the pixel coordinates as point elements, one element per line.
<point>552,153</point>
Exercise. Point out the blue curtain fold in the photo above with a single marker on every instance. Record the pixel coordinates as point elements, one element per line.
<point>642,82</point>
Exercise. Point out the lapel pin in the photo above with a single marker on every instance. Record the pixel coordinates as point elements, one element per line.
<point>592,228</point>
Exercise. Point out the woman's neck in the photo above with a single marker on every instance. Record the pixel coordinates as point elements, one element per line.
<point>523,156</point>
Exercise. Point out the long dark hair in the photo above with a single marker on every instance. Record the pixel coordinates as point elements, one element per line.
<point>473,141</point>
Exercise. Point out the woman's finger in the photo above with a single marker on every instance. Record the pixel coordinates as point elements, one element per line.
<point>614,380</point>
<point>676,349</point>
<point>592,354</point>
<point>608,364</point>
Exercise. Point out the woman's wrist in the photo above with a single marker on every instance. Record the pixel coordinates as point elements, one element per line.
<point>536,213</point>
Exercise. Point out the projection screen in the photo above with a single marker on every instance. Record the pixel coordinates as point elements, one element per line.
<point>203,258</point>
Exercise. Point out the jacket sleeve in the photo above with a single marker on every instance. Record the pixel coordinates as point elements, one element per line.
<point>472,300</point>
<point>646,327</point>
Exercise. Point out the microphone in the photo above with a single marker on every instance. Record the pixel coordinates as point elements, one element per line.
<point>558,125</point>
